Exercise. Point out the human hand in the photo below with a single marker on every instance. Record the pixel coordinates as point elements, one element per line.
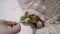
<point>9,27</point>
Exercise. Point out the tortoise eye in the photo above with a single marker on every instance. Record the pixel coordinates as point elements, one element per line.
<point>33,15</point>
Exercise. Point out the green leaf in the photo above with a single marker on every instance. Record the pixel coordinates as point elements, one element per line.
<point>25,20</point>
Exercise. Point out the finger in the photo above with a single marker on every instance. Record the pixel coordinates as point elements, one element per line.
<point>10,23</point>
<point>16,29</point>
<point>4,22</point>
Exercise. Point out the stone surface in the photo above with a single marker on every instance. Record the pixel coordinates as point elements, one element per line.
<point>51,11</point>
<point>53,29</point>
